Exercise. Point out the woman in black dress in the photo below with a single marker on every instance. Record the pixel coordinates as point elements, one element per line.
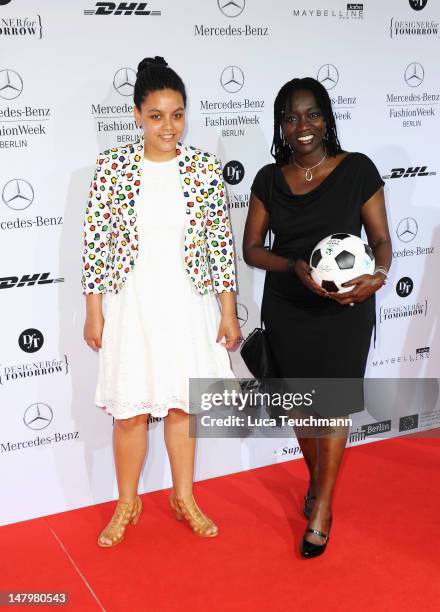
<point>315,189</point>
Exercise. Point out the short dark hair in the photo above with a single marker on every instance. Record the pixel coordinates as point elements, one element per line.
<point>154,74</point>
<point>280,150</point>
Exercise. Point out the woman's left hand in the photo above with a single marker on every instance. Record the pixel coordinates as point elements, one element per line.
<point>364,287</point>
<point>229,330</point>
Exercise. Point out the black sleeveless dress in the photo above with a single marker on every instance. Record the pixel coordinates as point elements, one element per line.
<point>311,336</point>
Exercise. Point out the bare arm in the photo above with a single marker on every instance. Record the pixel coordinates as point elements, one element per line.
<point>94,322</point>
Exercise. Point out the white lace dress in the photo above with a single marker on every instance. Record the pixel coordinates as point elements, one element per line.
<point>159,331</point>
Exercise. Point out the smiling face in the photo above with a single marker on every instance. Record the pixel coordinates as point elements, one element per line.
<point>303,123</point>
<point>162,118</point>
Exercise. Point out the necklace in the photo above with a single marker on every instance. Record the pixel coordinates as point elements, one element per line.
<point>308,171</point>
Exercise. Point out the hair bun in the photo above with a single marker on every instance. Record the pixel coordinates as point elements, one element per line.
<point>151,61</point>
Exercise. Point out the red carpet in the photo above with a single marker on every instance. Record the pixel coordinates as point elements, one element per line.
<point>383,552</point>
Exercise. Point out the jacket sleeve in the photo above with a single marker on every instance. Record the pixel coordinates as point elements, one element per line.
<point>219,239</point>
<point>97,229</point>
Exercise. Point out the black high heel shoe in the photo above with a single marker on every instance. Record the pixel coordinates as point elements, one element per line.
<point>310,550</point>
<point>308,511</point>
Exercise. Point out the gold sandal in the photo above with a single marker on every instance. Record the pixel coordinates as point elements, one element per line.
<point>188,509</point>
<point>126,512</point>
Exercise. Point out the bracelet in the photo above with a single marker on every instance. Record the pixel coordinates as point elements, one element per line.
<point>382,270</point>
<point>291,266</point>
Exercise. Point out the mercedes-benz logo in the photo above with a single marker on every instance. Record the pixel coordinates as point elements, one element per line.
<point>418,5</point>
<point>232,79</point>
<point>242,314</point>
<point>407,229</point>
<point>11,84</point>
<point>38,416</point>
<point>18,194</point>
<point>328,76</point>
<point>414,74</point>
<point>124,81</point>
<point>231,8</point>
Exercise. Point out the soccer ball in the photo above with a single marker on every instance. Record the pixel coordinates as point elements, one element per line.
<point>338,259</point>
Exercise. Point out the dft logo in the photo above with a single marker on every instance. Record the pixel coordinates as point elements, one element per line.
<point>231,8</point>
<point>404,287</point>
<point>232,79</point>
<point>233,172</point>
<point>31,340</point>
<point>418,5</point>
<point>121,8</point>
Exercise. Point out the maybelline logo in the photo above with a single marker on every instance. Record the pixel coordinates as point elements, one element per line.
<point>406,423</point>
<point>28,120</point>
<point>410,172</point>
<point>233,172</point>
<point>28,280</point>
<point>34,369</point>
<point>139,9</point>
<point>404,287</point>
<point>231,9</point>
<point>329,76</point>
<point>416,106</point>
<point>233,115</point>
<point>389,313</point>
<point>400,28</point>
<point>371,429</point>
<point>30,340</point>
<point>352,10</point>
<point>21,27</point>
<point>420,354</point>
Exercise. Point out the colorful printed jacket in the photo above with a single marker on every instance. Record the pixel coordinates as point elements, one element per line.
<point>110,233</point>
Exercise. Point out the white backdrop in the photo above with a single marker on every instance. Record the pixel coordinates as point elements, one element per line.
<point>66,79</point>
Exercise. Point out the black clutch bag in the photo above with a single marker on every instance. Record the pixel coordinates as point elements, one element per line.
<point>257,355</point>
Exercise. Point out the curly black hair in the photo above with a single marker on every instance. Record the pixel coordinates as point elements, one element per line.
<point>280,149</point>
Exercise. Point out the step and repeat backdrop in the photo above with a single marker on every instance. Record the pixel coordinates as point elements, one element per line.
<point>67,71</point>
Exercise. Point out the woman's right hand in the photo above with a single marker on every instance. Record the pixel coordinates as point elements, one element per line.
<point>93,328</point>
<point>303,270</point>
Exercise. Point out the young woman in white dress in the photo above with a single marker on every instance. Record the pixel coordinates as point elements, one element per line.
<point>158,252</point>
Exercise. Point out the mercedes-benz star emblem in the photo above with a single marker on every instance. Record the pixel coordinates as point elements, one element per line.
<point>242,314</point>
<point>231,8</point>
<point>38,416</point>
<point>407,229</point>
<point>124,81</point>
<point>328,76</point>
<point>414,74</point>
<point>232,79</point>
<point>18,194</point>
<point>11,84</point>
